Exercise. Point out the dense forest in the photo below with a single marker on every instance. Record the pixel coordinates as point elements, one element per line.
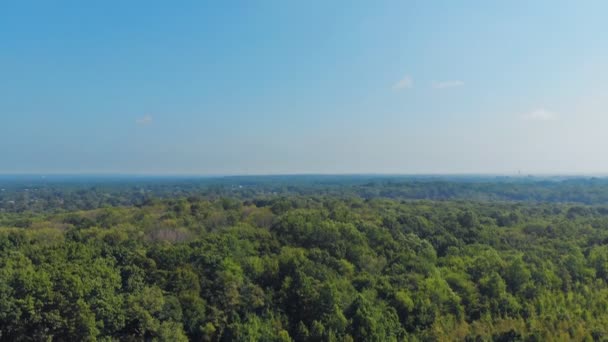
<point>304,259</point>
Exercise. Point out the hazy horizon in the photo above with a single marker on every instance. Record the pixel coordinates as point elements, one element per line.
<point>262,175</point>
<point>285,88</point>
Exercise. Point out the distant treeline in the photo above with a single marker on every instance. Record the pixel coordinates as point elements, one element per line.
<point>18,194</point>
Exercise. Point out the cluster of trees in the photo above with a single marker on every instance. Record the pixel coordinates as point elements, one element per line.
<point>306,268</point>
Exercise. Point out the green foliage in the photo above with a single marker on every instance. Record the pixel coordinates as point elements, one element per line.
<point>306,268</point>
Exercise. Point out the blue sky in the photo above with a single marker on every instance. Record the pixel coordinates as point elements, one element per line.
<point>259,87</point>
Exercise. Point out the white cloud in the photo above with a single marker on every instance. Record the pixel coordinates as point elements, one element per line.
<point>447,84</point>
<point>405,83</point>
<point>145,120</point>
<point>540,114</point>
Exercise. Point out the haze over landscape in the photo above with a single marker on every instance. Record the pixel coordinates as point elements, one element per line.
<point>303,171</point>
<point>282,87</point>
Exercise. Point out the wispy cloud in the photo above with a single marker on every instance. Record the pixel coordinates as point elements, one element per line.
<point>448,84</point>
<point>540,114</point>
<point>144,120</point>
<point>405,83</point>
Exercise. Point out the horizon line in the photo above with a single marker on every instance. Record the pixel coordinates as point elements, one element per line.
<point>288,174</point>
